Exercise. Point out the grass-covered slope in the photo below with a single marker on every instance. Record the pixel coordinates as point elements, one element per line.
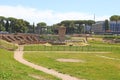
<point>10,69</point>
<point>7,45</point>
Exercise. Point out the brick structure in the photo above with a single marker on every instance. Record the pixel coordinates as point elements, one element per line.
<point>61,33</point>
<point>21,38</point>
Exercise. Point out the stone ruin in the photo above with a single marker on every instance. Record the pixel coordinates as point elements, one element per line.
<point>24,38</point>
<point>21,38</point>
<point>61,33</point>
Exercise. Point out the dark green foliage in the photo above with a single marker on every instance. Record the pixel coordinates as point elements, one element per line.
<point>13,25</point>
<point>2,19</point>
<point>42,24</point>
<point>7,26</point>
<point>115,18</point>
<point>42,28</point>
<point>76,26</point>
<point>106,25</point>
<point>33,28</point>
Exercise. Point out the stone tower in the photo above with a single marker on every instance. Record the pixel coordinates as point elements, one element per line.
<point>61,33</point>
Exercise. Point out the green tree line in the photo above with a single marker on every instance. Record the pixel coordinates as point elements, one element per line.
<point>13,25</point>
<point>76,26</point>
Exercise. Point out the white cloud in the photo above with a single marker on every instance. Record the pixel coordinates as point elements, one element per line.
<point>48,16</point>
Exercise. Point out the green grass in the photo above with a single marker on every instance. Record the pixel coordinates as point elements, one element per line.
<point>93,47</point>
<point>94,67</point>
<point>7,45</point>
<point>107,36</point>
<point>10,69</point>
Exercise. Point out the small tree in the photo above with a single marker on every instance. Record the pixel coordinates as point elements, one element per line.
<point>7,26</point>
<point>115,18</point>
<point>42,26</point>
<point>106,25</point>
<point>33,28</point>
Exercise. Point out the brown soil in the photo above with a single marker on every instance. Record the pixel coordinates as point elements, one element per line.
<point>69,60</point>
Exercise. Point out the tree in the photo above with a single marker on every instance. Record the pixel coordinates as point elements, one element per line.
<point>115,18</point>
<point>106,25</point>
<point>7,26</point>
<point>21,26</point>
<point>75,26</point>
<point>11,24</point>
<point>17,25</point>
<point>42,24</point>
<point>2,23</point>
<point>42,27</point>
<point>33,28</point>
<point>54,29</point>
<point>71,27</point>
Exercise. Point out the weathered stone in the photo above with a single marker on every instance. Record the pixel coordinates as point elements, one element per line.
<point>61,33</point>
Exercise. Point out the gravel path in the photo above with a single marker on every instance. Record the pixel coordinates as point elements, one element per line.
<point>18,55</point>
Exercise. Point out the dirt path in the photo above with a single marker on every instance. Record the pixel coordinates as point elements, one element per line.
<point>108,57</point>
<point>18,55</point>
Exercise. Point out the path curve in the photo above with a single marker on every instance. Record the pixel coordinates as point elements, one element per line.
<point>18,55</point>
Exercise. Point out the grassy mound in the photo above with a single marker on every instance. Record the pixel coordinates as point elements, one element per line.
<point>7,45</point>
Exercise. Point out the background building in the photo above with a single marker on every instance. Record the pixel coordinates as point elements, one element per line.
<point>99,27</point>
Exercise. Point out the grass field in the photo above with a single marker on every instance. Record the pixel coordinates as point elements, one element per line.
<point>101,61</point>
<point>94,67</point>
<point>13,70</point>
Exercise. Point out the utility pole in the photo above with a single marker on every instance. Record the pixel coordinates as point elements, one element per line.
<point>94,17</point>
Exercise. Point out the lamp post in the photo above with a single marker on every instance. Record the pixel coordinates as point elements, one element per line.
<point>0,24</point>
<point>83,28</point>
<point>10,28</point>
<point>5,24</point>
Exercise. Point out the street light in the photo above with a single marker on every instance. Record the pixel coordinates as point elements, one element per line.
<point>10,28</point>
<point>4,24</point>
<point>0,24</point>
<point>83,28</point>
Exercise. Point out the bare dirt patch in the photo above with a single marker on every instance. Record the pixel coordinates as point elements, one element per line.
<point>37,77</point>
<point>69,60</point>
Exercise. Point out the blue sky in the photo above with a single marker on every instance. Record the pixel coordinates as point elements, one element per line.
<point>53,11</point>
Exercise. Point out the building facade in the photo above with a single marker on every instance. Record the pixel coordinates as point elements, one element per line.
<point>114,26</point>
<point>99,27</point>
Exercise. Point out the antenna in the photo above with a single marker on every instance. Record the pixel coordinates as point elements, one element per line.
<point>94,17</point>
